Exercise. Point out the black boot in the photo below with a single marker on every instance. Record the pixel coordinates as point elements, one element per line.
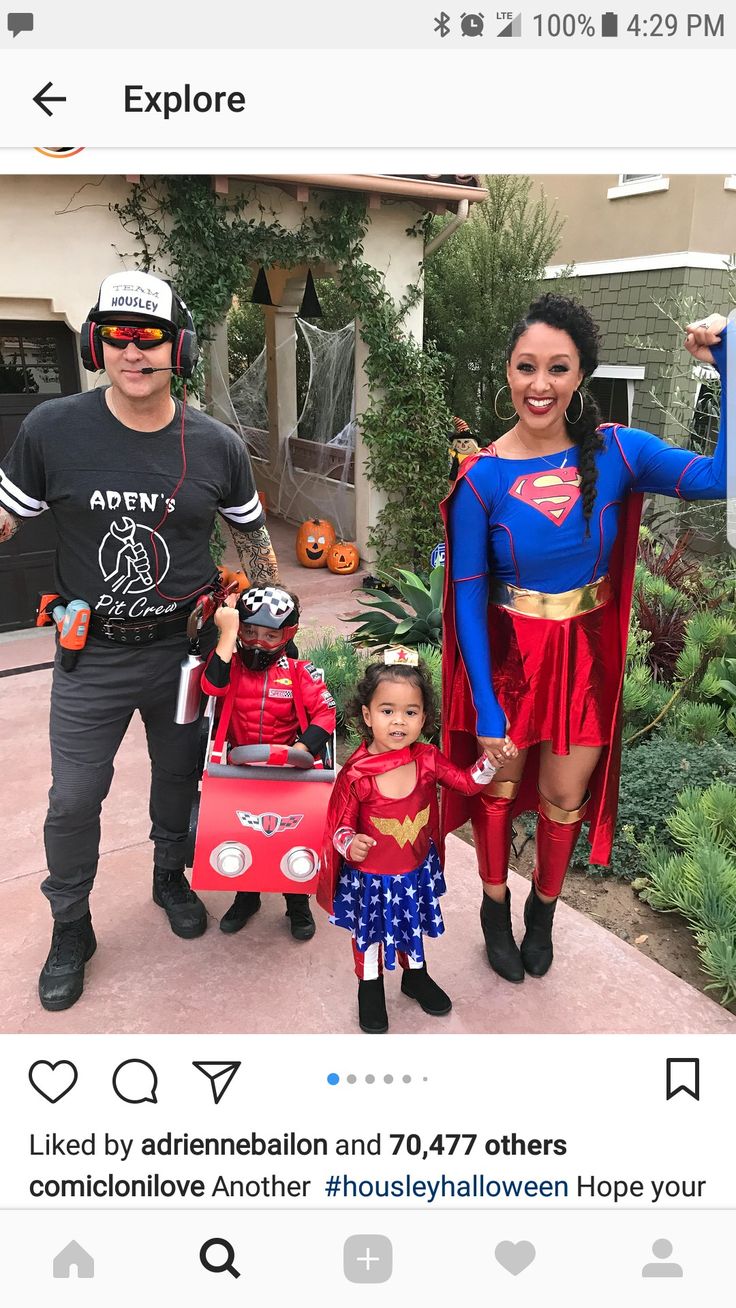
<point>501,948</point>
<point>372,1014</point>
<point>244,905</point>
<point>536,947</point>
<point>418,984</point>
<point>62,978</point>
<point>186,913</point>
<point>300,916</point>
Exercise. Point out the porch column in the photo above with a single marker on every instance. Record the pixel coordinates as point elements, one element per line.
<point>281,388</point>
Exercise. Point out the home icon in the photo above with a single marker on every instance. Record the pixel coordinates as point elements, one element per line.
<point>74,1256</point>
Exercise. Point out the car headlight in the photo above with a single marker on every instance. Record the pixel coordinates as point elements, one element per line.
<point>231,858</point>
<point>299,864</point>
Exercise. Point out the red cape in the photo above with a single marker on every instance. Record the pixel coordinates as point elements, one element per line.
<point>362,764</point>
<point>459,741</point>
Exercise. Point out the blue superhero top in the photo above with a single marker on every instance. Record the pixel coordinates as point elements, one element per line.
<point>521,521</point>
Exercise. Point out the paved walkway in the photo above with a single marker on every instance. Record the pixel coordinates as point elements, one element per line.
<point>144,979</point>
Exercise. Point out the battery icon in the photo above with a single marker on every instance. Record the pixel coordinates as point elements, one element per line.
<point>609,24</point>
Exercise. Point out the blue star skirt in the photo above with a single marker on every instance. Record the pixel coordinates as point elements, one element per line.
<point>395,911</point>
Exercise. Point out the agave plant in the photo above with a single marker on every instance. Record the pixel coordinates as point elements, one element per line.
<point>414,618</point>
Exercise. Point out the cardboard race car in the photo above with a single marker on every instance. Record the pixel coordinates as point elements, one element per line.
<point>261,817</point>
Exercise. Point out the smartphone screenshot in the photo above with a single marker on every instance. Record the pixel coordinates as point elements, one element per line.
<point>367,653</point>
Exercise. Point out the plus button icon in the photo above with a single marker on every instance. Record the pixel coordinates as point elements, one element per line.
<point>367,1259</point>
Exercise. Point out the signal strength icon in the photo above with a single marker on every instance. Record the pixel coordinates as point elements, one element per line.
<point>513,28</point>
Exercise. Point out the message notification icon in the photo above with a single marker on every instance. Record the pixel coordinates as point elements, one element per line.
<point>683,1077</point>
<point>18,23</point>
<point>135,1081</point>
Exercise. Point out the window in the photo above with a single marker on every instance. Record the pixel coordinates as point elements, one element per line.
<point>638,184</point>
<point>29,364</point>
<point>612,385</point>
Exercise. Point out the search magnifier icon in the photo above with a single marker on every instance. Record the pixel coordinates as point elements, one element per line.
<point>227,1266</point>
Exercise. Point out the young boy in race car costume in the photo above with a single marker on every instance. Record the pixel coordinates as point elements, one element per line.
<point>276,701</point>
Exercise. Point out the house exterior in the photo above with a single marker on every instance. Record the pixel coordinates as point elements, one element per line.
<point>61,237</point>
<point>636,240</point>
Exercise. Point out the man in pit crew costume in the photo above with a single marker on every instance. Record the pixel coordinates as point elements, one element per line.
<point>133,479</point>
<point>269,699</point>
<point>535,630</point>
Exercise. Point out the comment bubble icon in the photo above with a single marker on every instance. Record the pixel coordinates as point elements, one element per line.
<point>18,23</point>
<point>135,1081</point>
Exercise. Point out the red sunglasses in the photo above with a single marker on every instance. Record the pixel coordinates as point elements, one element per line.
<point>145,338</point>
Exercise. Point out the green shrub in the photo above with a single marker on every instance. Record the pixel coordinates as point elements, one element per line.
<point>653,776</point>
<point>700,881</point>
<point>342,664</point>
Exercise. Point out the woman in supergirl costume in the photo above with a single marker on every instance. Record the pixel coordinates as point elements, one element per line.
<point>542,531</point>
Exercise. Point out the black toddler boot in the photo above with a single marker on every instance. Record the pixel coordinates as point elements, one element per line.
<point>501,948</point>
<point>186,913</point>
<point>62,977</point>
<point>418,984</point>
<point>300,916</point>
<point>372,1014</point>
<point>536,947</point>
<point>244,905</point>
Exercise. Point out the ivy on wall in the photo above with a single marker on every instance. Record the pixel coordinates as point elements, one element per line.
<point>208,244</point>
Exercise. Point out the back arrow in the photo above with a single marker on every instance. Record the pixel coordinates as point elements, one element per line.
<point>43,100</point>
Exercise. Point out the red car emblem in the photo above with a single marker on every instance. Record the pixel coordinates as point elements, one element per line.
<point>269,823</point>
<point>553,493</point>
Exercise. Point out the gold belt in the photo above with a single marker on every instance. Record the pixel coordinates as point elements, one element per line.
<point>538,604</point>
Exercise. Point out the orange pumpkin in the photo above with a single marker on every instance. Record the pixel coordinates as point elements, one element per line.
<point>313,541</point>
<point>343,557</point>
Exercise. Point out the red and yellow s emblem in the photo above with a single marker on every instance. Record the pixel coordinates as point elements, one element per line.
<point>553,493</point>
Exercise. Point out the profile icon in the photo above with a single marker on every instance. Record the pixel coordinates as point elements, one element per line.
<point>661,1249</point>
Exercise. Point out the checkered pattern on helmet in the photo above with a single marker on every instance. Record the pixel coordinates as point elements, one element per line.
<point>277,601</point>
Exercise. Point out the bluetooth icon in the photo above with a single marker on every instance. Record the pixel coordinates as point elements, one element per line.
<point>442,24</point>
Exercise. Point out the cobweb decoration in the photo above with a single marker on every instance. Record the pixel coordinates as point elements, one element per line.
<point>315,474</point>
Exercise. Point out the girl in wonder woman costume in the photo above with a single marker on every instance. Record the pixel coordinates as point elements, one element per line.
<point>381,870</point>
<point>541,544</point>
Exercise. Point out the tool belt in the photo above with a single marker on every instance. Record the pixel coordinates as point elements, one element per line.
<point>124,631</point>
<point>539,604</point>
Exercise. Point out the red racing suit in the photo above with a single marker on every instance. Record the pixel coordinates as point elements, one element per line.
<point>275,707</point>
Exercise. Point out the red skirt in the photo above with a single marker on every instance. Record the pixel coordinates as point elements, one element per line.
<point>557,680</point>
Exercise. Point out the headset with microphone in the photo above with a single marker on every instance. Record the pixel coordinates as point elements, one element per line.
<point>185,348</point>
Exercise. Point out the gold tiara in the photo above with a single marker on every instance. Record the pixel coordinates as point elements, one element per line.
<point>399,655</point>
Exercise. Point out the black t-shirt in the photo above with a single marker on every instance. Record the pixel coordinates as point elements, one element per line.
<point>108,489</point>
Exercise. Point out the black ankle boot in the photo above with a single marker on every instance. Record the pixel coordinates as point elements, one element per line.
<point>372,1014</point>
<point>62,978</point>
<point>300,916</point>
<point>418,984</point>
<point>536,947</point>
<point>501,948</point>
<point>186,913</point>
<point>244,905</point>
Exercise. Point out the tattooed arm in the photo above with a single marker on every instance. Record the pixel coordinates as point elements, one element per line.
<point>256,555</point>
<point>8,525</point>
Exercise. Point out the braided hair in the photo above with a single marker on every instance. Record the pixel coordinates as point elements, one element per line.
<point>569,316</point>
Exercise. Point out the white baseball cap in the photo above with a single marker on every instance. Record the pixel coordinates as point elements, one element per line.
<point>136,293</point>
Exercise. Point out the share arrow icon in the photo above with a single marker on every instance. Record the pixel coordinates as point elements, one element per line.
<point>219,1076</point>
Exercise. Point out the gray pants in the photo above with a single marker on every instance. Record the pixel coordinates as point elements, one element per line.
<point>91,709</point>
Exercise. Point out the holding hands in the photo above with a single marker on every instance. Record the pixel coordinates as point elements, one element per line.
<point>498,749</point>
<point>701,335</point>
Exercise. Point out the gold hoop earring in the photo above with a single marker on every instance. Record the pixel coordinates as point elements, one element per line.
<point>573,421</point>
<point>503,417</point>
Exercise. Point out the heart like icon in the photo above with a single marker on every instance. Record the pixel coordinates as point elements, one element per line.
<point>53,1080</point>
<point>517,1257</point>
